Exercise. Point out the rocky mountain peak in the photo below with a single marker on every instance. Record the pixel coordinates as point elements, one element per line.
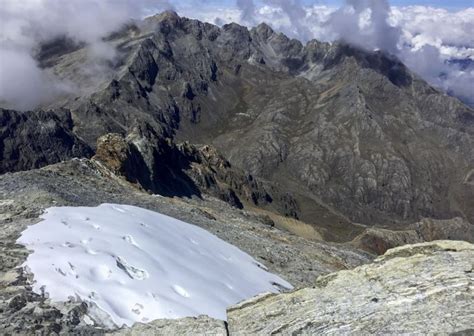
<point>170,16</point>
<point>164,22</point>
<point>264,31</point>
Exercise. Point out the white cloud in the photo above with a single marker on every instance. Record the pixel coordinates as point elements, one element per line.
<point>22,84</point>
<point>431,37</point>
<point>23,24</point>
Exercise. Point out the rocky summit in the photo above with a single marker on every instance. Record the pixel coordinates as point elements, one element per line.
<point>321,161</point>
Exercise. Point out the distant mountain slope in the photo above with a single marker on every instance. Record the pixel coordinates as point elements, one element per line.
<point>352,135</point>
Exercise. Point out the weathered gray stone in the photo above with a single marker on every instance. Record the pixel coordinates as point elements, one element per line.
<point>35,139</point>
<point>416,289</point>
<point>190,326</point>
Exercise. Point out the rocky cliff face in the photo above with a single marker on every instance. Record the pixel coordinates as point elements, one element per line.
<point>352,135</point>
<point>35,139</point>
<point>187,170</point>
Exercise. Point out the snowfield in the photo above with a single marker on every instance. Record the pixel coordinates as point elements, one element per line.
<point>137,265</point>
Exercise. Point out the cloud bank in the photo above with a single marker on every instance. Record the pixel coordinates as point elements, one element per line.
<point>24,24</point>
<point>435,43</point>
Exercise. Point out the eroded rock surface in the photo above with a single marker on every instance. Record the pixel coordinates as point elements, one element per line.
<point>202,325</point>
<point>423,288</point>
<point>160,166</point>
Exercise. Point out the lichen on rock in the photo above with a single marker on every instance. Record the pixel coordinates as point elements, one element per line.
<point>417,288</point>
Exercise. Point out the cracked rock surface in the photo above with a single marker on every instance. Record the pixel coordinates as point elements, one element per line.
<point>201,325</point>
<point>427,287</point>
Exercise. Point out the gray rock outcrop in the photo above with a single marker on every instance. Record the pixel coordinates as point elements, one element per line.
<point>35,139</point>
<point>378,240</point>
<point>201,325</point>
<point>187,170</point>
<point>416,289</point>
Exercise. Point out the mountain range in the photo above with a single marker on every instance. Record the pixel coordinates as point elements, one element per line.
<point>345,148</point>
<point>326,133</point>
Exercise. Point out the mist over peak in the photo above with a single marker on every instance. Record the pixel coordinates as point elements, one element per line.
<point>424,38</point>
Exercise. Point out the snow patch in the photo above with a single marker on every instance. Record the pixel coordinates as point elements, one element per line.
<point>136,265</point>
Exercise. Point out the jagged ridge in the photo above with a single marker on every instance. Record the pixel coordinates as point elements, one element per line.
<point>353,135</point>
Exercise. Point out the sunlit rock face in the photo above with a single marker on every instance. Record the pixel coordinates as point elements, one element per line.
<point>408,290</point>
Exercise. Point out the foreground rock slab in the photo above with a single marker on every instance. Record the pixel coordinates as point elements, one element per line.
<point>201,325</point>
<point>426,288</point>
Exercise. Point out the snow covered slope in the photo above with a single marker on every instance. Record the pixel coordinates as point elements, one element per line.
<point>138,265</point>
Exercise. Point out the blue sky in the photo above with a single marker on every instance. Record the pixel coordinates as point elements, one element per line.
<point>434,3</point>
<point>449,4</point>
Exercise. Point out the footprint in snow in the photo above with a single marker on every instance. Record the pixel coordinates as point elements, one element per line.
<point>181,291</point>
<point>279,287</point>
<point>95,226</point>
<point>73,271</point>
<point>259,265</point>
<point>60,271</point>
<point>129,239</point>
<point>66,224</point>
<point>90,251</point>
<point>137,309</point>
